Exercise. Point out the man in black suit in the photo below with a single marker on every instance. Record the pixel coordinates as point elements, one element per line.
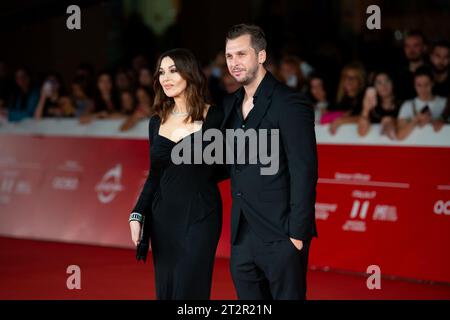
<point>273,217</point>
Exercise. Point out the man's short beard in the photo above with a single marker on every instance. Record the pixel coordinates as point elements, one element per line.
<point>250,76</point>
<point>415,60</point>
<point>439,71</point>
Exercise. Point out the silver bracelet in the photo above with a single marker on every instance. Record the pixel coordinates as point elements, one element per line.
<point>135,217</point>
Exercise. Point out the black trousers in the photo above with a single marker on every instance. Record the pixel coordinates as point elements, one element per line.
<point>267,270</point>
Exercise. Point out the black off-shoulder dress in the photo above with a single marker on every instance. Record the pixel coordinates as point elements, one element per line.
<point>185,207</point>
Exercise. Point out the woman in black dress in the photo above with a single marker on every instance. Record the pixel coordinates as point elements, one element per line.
<point>182,201</point>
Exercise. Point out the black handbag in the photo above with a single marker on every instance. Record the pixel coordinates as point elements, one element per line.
<point>144,240</point>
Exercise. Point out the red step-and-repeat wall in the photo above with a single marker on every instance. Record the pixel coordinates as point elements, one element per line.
<point>377,205</point>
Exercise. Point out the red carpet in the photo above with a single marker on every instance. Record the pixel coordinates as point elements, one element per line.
<point>37,270</point>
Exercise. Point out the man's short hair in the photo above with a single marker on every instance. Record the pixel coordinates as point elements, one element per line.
<point>424,71</point>
<point>257,36</point>
<point>417,34</point>
<point>441,44</point>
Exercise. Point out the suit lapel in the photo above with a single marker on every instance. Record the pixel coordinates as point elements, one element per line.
<point>263,99</point>
<point>228,108</point>
<point>258,112</point>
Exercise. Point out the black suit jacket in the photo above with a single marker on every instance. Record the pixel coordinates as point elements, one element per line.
<point>281,205</point>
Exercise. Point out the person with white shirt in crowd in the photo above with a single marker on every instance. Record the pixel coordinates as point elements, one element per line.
<point>424,109</point>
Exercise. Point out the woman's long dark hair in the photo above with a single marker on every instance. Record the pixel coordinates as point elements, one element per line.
<point>196,92</point>
<point>100,104</point>
<point>376,73</point>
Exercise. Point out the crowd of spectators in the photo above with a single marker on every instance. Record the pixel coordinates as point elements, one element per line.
<point>124,93</point>
<point>414,95</point>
